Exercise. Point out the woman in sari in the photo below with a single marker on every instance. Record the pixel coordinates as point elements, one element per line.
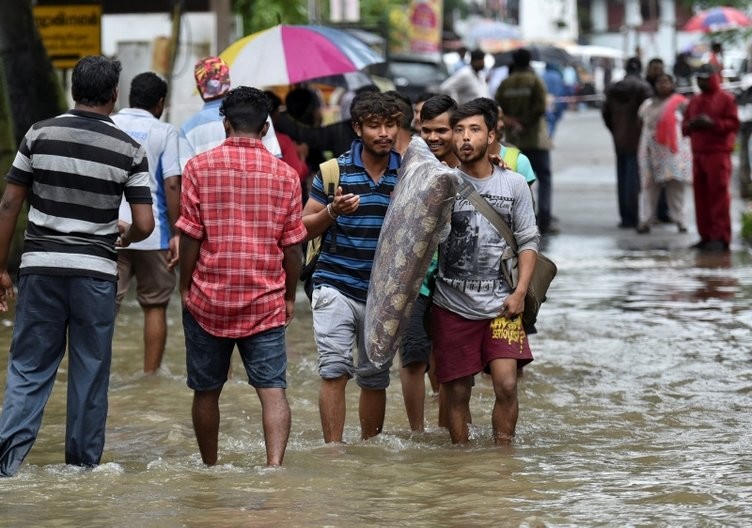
<point>665,156</point>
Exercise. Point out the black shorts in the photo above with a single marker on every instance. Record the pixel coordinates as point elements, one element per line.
<point>416,343</point>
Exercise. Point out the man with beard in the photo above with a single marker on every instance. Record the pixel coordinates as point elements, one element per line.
<point>350,224</point>
<point>476,316</point>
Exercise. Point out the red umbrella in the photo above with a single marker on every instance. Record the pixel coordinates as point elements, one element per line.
<point>717,19</point>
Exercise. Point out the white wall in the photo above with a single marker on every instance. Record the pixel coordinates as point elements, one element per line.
<point>538,20</point>
<point>130,38</point>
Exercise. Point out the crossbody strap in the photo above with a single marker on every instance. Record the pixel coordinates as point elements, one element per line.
<point>468,192</point>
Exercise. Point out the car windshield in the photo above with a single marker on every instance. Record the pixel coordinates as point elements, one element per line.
<point>417,72</point>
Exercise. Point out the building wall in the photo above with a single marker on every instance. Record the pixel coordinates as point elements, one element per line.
<point>549,20</point>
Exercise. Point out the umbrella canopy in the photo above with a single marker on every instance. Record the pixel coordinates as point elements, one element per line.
<point>287,54</point>
<point>539,52</point>
<point>490,31</point>
<point>717,19</point>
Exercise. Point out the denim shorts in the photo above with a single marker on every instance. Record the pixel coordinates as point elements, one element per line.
<point>207,357</point>
<point>338,326</point>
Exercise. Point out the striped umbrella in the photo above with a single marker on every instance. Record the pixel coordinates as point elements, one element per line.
<point>286,54</point>
<point>717,19</point>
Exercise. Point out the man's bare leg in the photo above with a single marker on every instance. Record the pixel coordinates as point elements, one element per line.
<point>275,417</point>
<point>506,407</point>
<point>457,400</point>
<point>206,423</point>
<point>155,337</point>
<point>332,408</point>
<point>372,408</point>
<point>413,379</point>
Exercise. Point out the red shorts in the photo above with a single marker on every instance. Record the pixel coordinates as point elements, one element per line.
<point>463,347</point>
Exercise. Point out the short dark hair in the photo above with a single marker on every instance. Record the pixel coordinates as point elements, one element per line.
<point>94,80</point>
<point>424,96</point>
<point>375,105</point>
<point>246,108</point>
<point>437,105</point>
<point>634,65</point>
<point>479,106</point>
<point>477,54</point>
<point>146,90</point>
<point>406,106</point>
<point>274,100</point>
<point>521,58</point>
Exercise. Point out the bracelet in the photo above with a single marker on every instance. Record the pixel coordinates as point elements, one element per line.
<point>330,210</point>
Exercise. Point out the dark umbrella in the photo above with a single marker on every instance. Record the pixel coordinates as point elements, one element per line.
<point>539,52</point>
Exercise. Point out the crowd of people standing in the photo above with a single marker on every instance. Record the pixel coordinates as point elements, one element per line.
<point>224,200</point>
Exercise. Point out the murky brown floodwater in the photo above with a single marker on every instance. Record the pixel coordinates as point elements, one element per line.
<point>636,411</point>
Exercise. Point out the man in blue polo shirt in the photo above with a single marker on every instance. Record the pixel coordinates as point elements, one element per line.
<point>351,224</point>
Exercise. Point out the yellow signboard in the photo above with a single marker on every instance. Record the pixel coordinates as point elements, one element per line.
<point>69,32</point>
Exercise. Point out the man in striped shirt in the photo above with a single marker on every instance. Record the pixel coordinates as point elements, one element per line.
<point>351,224</point>
<point>74,169</point>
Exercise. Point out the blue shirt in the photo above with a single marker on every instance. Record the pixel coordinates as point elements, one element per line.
<point>347,266</point>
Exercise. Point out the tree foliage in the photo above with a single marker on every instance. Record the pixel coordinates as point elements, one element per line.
<point>33,87</point>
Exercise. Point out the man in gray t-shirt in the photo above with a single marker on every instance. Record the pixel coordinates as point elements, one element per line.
<point>476,317</point>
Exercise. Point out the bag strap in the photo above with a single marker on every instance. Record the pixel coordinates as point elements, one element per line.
<point>468,192</point>
<point>330,179</point>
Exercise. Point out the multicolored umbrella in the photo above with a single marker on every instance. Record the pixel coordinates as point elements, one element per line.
<point>288,54</point>
<point>717,19</point>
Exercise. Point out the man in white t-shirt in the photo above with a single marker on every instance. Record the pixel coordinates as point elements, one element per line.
<point>469,82</point>
<point>152,260</point>
<point>205,129</point>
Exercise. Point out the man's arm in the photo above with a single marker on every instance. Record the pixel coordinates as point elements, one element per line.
<point>189,251</point>
<point>10,207</point>
<point>514,304</point>
<point>293,256</point>
<point>142,226</point>
<point>317,218</point>
<point>172,197</point>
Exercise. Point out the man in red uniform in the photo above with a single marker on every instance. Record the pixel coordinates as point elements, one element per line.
<point>711,122</point>
<point>241,225</point>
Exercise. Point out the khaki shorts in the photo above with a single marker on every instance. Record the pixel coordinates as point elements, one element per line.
<point>154,282</point>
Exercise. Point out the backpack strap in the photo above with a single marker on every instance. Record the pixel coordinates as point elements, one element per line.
<point>511,154</point>
<point>330,179</point>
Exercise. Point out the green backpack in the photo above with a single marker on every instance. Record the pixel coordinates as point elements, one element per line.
<point>330,177</point>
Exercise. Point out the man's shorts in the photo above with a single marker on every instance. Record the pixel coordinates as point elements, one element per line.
<point>154,282</point>
<point>207,357</point>
<point>463,347</point>
<point>416,343</point>
<point>338,324</point>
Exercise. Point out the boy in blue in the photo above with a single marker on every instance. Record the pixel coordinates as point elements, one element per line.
<point>351,223</point>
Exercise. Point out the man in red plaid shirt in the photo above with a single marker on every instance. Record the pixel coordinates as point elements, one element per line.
<point>240,256</point>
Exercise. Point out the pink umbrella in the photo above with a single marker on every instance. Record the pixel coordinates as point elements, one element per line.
<point>287,54</point>
<point>717,19</point>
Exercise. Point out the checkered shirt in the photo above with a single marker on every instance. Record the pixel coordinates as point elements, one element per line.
<point>244,205</point>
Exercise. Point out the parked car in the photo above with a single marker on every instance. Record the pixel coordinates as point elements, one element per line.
<point>412,75</point>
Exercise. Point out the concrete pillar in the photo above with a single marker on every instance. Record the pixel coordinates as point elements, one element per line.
<point>599,15</point>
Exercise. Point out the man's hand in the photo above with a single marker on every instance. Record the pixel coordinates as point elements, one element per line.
<point>513,305</point>
<point>6,291</point>
<point>121,241</point>
<point>289,311</point>
<point>497,160</point>
<point>344,204</point>
<point>173,251</point>
<point>701,122</point>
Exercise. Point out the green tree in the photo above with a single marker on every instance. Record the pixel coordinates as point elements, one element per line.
<point>262,14</point>
<point>32,84</point>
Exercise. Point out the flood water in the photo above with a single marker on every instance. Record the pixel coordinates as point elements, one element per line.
<point>636,412</point>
